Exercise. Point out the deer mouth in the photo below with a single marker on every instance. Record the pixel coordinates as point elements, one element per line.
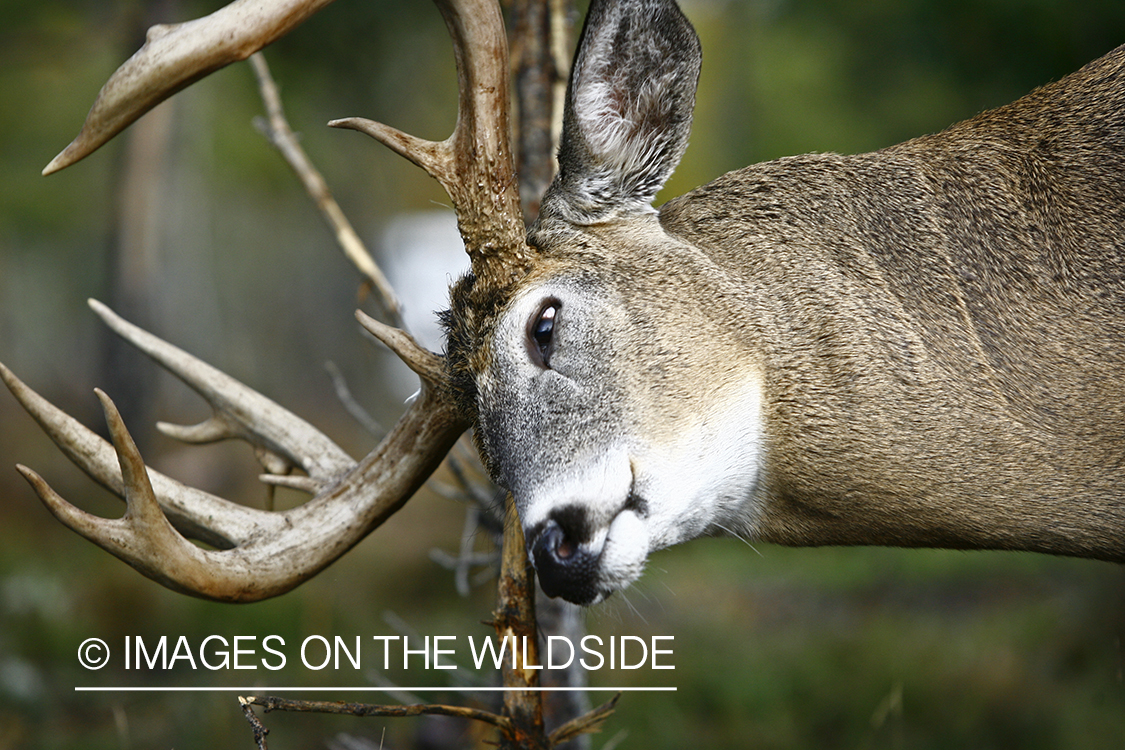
<point>584,564</point>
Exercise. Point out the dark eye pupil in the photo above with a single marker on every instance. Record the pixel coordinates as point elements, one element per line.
<point>543,330</point>
<point>544,327</point>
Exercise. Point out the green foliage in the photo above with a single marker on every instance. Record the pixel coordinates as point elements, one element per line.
<point>864,648</point>
<point>784,77</point>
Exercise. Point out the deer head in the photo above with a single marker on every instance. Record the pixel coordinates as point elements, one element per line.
<point>596,401</point>
<point>923,346</point>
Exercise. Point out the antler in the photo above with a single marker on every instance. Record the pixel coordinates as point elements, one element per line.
<point>475,164</point>
<point>175,56</point>
<point>260,554</point>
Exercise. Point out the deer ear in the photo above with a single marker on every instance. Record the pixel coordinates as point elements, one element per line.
<point>628,110</point>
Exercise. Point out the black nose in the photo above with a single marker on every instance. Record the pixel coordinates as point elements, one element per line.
<point>565,569</point>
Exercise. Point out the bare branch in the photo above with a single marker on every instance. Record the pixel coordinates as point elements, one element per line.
<point>590,722</point>
<point>271,703</point>
<point>260,731</point>
<point>536,78</point>
<point>175,56</point>
<point>585,724</point>
<point>353,407</point>
<point>515,617</point>
<point>280,135</point>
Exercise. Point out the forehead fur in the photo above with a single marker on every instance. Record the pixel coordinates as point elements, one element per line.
<point>474,309</point>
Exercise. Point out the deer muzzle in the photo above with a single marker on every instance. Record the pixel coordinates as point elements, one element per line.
<point>584,564</point>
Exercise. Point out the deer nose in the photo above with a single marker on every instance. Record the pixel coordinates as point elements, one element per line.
<point>565,568</point>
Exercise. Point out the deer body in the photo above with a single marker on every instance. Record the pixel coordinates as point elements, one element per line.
<point>947,324</point>
<point>923,346</point>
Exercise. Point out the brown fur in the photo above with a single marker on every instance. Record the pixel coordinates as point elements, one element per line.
<point>948,361</point>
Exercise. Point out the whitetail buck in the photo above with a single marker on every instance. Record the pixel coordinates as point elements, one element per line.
<point>922,346</point>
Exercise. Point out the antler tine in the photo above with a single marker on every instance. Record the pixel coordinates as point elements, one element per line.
<point>475,164</point>
<point>423,362</point>
<point>177,55</point>
<point>198,515</point>
<point>239,411</point>
<point>142,537</point>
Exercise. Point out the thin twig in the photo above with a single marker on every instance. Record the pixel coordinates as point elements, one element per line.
<point>466,558</point>
<point>260,730</point>
<point>273,703</point>
<point>472,559</point>
<point>588,722</point>
<point>353,407</point>
<point>276,129</point>
<point>464,561</point>
<point>459,460</point>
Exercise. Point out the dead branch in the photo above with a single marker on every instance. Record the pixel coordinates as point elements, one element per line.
<point>260,731</point>
<point>277,131</point>
<point>273,703</point>
<point>585,724</point>
<point>515,618</point>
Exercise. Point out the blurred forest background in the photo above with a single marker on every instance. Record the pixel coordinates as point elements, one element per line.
<point>192,226</point>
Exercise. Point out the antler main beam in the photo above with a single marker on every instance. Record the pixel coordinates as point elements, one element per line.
<point>475,164</point>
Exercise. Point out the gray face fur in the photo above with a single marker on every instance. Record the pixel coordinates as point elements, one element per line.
<point>924,346</point>
<point>622,437</point>
<point>566,410</point>
<point>574,384</point>
<point>586,412</point>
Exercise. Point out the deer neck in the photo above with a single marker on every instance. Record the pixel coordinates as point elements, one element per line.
<point>894,411</point>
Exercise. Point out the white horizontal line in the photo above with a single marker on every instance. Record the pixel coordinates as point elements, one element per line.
<point>363,689</point>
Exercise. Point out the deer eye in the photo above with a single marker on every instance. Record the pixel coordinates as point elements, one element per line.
<point>541,332</point>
